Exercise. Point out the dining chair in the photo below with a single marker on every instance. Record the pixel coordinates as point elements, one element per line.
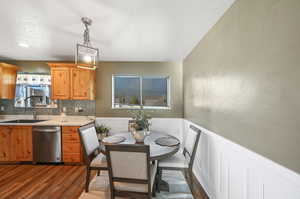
<point>183,159</point>
<point>130,172</point>
<point>93,158</point>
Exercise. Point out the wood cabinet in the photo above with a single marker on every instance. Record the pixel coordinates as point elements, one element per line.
<point>70,82</point>
<point>8,76</point>
<point>83,84</point>
<point>60,82</point>
<point>5,143</point>
<point>72,150</point>
<point>21,140</point>
<point>1,80</point>
<point>15,143</point>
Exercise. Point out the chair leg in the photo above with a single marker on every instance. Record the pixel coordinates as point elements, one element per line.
<point>154,188</point>
<point>159,177</point>
<point>87,180</point>
<point>112,195</point>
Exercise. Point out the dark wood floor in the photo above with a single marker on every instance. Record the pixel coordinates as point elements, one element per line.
<point>52,182</point>
<point>41,182</point>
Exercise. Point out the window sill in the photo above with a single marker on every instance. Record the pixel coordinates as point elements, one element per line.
<point>144,107</point>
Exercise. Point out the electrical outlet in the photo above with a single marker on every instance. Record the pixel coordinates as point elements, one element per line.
<point>80,109</point>
<point>64,109</point>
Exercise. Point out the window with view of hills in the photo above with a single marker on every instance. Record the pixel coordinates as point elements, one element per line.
<point>136,91</point>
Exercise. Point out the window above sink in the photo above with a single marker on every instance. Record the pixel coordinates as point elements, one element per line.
<point>33,90</point>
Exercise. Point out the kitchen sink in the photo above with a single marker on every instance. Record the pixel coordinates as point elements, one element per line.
<point>23,121</point>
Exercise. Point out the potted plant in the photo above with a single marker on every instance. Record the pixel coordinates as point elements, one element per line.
<point>141,126</point>
<point>102,131</point>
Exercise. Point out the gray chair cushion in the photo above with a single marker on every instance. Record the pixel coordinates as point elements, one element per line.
<point>176,161</point>
<point>99,161</point>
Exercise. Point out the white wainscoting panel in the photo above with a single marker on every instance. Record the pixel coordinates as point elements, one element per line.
<point>229,171</point>
<point>226,170</point>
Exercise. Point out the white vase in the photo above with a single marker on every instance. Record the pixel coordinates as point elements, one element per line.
<point>139,136</point>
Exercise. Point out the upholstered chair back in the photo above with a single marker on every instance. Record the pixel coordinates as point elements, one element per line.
<point>89,139</point>
<point>128,161</point>
<point>191,144</point>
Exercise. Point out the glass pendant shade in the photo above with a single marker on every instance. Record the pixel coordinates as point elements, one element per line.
<point>87,57</point>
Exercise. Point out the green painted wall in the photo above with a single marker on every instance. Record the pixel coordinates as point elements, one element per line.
<point>104,79</point>
<point>30,66</point>
<point>242,80</point>
<point>104,85</point>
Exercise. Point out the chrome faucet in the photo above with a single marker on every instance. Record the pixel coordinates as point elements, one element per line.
<point>34,112</point>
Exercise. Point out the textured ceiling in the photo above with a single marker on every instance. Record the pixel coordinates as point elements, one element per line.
<point>123,30</point>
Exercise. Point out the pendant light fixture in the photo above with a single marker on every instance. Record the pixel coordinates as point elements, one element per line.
<point>87,57</point>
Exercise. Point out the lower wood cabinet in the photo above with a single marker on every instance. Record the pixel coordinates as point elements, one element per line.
<point>72,150</point>
<point>15,143</point>
<point>21,143</point>
<point>5,143</point>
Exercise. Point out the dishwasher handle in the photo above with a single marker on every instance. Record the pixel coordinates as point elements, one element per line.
<point>46,129</point>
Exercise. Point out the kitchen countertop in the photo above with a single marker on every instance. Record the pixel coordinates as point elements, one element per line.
<point>50,120</point>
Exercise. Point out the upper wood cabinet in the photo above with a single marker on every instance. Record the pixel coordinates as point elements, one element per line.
<point>1,79</point>
<point>60,83</point>
<point>8,76</point>
<point>83,84</point>
<point>70,82</point>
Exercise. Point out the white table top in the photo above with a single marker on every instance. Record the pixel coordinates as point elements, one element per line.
<point>157,152</point>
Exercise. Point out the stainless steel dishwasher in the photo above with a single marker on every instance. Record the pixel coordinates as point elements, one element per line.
<point>47,144</point>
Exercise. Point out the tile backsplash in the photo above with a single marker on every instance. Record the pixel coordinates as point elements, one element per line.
<point>88,107</point>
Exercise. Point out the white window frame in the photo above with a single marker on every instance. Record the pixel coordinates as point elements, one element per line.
<point>168,107</point>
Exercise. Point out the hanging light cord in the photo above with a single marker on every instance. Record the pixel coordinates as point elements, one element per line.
<point>86,35</point>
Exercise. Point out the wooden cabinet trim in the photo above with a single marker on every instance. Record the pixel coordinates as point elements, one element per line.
<point>61,64</point>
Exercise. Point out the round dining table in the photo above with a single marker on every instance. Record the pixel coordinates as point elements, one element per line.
<point>157,152</point>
